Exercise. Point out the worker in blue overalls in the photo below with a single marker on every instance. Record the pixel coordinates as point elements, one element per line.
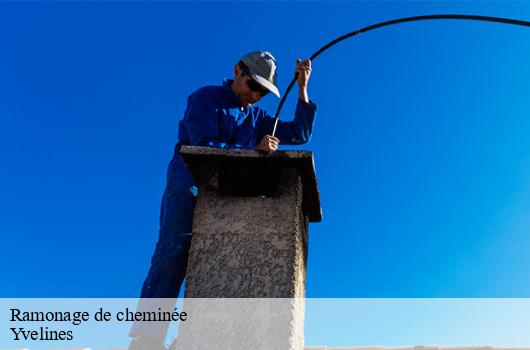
<point>224,117</point>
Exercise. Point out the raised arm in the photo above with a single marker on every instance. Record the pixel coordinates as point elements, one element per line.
<point>299,130</point>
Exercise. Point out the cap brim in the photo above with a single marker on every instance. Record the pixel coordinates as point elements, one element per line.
<point>266,84</point>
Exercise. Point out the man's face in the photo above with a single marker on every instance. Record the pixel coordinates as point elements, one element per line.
<point>246,88</point>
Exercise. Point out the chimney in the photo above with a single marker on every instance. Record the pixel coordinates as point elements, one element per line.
<point>247,263</point>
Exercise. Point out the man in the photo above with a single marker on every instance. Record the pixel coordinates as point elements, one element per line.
<point>224,117</point>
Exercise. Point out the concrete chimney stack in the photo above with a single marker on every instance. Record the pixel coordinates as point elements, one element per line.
<point>249,248</point>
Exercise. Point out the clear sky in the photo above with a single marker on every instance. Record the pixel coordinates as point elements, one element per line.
<point>421,140</point>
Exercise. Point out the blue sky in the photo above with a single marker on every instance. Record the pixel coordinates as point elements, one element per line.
<point>421,140</point>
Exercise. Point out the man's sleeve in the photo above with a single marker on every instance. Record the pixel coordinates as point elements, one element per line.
<point>201,121</point>
<point>298,130</point>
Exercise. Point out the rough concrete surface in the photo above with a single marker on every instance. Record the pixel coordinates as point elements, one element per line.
<point>248,247</point>
<point>248,253</point>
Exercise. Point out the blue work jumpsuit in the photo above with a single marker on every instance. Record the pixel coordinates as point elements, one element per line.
<point>214,117</point>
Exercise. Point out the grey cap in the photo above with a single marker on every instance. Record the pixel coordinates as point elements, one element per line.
<point>262,66</point>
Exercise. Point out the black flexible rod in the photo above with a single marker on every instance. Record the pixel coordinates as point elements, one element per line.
<point>389,23</point>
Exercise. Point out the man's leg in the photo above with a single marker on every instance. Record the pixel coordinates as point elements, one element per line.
<point>169,262</point>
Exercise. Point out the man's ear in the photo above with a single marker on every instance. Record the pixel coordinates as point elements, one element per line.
<point>237,70</point>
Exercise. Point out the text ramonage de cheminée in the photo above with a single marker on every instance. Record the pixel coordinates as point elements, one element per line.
<point>77,317</point>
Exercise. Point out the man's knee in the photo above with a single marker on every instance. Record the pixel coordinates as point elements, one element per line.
<point>176,214</point>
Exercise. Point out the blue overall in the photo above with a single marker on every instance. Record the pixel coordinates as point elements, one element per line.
<point>214,117</point>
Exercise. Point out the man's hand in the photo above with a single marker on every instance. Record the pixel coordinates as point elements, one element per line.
<point>268,143</point>
<point>303,69</point>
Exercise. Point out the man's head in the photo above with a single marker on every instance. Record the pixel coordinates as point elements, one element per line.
<point>254,77</point>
